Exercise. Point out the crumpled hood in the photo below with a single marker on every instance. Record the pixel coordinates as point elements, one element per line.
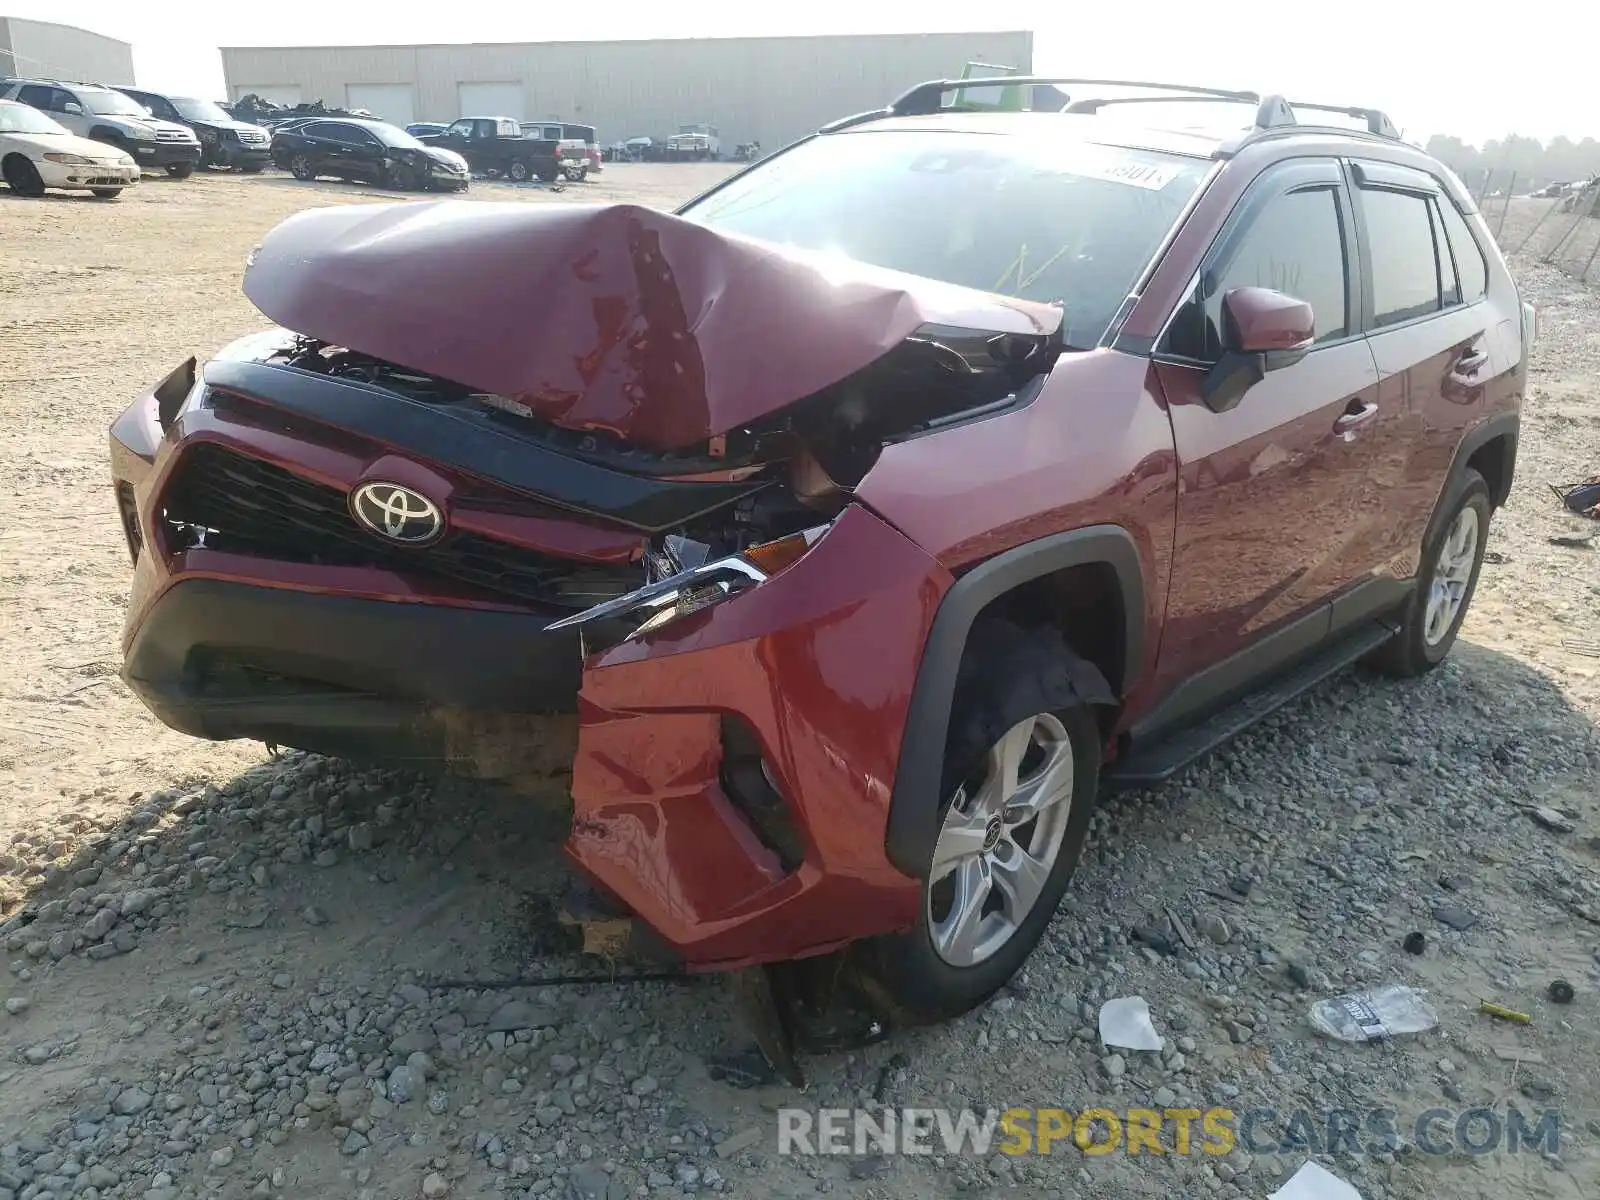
<point>601,317</point>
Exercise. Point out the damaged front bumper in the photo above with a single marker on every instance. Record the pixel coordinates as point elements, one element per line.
<point>734,766</point>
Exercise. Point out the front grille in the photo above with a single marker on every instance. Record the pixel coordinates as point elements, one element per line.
<point>174,135</point>
<point>229,501</point>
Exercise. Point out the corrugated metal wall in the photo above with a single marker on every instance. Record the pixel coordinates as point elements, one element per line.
<point>41,49</point>
<point>770,90</point>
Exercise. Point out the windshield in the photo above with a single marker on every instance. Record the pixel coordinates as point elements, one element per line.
<point>694,129</point>
<point>391,135</point>
<point>106,103</point>
<point>19,118</point>
<point>200,110</point>
<point>1056,221</point>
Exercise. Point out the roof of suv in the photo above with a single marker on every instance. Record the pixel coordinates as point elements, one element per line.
<point>1218,133</point>
<point>940,103</point>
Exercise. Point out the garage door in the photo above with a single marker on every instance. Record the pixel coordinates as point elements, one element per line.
<point>391,102</point>
<point>490,100</point>
<point>278,93</point>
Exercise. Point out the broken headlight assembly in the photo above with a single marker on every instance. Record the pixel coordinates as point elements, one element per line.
<point>684,579</point>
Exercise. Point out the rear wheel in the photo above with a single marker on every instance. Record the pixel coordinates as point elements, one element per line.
<point>22,177</point>
<point>1021,771</point>
<point>300,167</point>
<point>180,170</point>
<point>1445,582</point>
<point>518,171</point>
<point>577,172</point>
<point>106,193</point>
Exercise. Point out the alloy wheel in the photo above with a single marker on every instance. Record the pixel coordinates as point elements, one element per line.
<point>1452,572</point>
<point>999,842</point>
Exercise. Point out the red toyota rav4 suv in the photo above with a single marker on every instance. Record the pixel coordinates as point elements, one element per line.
<point>869,512</point>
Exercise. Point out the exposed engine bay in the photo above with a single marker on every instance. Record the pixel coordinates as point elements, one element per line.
<point>808,455</point>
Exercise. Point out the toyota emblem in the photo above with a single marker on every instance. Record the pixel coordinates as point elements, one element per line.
<point>397,513</point>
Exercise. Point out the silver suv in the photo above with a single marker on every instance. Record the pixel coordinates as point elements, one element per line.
<point>106,115</point>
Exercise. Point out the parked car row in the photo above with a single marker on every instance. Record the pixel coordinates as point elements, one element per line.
<point>135,130</point>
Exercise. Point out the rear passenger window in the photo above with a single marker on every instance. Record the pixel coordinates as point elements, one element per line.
<point>1470,266</point>
<point>1295,246</point>
<point>1449,285</point>
<point>1405,271</point>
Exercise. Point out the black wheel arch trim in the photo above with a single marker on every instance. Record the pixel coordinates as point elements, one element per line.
<point>914,801</point>
<point>1505,425</point>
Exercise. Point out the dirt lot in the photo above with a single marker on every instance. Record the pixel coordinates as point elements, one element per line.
<point>217,961</point>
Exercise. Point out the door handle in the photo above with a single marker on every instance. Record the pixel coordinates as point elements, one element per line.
<point>1358,414</point>
<point>1471,362</point>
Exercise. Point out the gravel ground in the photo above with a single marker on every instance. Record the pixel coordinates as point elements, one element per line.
<point>219,963</point>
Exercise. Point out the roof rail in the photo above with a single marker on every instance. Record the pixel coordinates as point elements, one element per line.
<point>1378,123</point>
<point>927,99</point>
<point>1273,113</point>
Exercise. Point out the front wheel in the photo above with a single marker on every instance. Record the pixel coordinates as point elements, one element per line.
<point>400,178</point>
<point>106,193</point>
<point>1021,770</point>
<point>1445,582</point>
<point>180,170</point>
<point>22,177</point>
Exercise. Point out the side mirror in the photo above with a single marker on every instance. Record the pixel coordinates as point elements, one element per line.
<point>73,107</point>
<point>1262,330</point>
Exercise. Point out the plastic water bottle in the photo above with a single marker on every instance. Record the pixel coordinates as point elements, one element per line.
<point>1375,1015</point>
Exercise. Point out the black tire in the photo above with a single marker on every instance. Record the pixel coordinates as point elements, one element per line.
<point>576,172</point>
<point>22,177</point>
<point>1409,653</point>
<point>400,178</point>
<point>180,170</point>
<point>1007,675</point>
<point>548,174</point>
<point>106,193</point>
<point>518,171</point>
<point>300,167</point>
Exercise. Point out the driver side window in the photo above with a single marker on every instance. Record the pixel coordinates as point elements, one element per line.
<point>461,128</point>
<point>1295,245</point>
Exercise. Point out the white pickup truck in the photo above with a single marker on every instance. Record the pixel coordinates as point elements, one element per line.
<point>695,142</point>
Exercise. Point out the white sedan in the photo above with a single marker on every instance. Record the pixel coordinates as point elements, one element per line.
<point>36,153</point>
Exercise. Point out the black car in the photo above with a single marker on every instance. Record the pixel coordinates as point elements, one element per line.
<point>369,152</point>
<point>224,142</point>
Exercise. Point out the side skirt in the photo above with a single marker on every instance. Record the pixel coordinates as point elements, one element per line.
<point>1220,703</point>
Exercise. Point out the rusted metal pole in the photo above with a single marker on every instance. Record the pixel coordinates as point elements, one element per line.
<point>1505,206</point>
<point>1565,238</point>
<point>1537,225</point>
<point>1584,278</point>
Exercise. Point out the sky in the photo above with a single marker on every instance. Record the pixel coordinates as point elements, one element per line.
<point>1432,73</point>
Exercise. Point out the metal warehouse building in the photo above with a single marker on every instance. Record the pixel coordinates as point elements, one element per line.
<point>43,49</point>
<point>770,90</point>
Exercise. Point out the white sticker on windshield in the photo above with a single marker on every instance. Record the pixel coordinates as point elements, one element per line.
<point>1152,177</point>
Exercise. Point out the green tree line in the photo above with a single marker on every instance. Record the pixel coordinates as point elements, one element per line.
<point>1490,167</point>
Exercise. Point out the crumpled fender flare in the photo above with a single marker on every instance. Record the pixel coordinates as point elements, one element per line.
<point>913,824</point>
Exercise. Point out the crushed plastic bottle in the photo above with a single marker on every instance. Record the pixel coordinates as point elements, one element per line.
<point>1375,1015</point>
